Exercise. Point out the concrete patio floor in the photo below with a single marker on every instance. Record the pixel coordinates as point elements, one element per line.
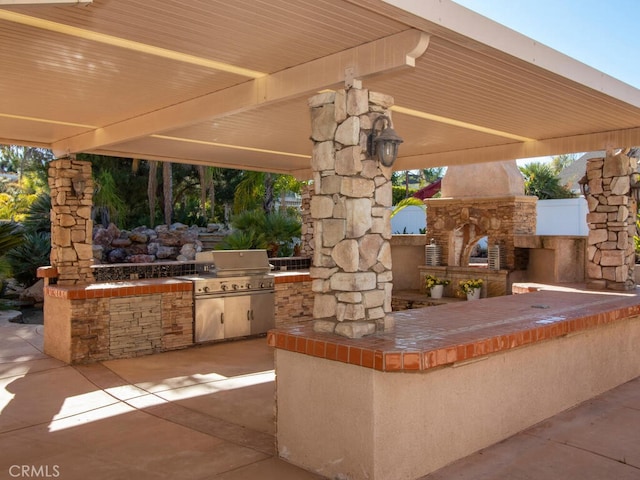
<point>208,413</point>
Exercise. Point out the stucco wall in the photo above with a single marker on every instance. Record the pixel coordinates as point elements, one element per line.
<point>407,252</point>
<point>345,421</point>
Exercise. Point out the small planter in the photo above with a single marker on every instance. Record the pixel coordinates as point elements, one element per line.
<point>436,291</point>
<point>474,294</point>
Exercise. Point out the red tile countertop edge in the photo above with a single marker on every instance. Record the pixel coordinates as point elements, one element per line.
<point>433,337</point>
<point>291,277</point>
<point>119,289</point>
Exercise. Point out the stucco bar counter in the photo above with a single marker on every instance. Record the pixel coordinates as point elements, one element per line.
<point>448,380</point>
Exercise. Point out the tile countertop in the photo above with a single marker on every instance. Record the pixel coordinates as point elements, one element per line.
<point>432,337</point>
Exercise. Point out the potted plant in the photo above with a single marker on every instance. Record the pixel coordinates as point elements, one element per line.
<point>471,288</point>
<point>435,286</point>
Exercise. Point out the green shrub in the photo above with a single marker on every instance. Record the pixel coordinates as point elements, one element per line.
<point>33,252</point>
<point>275,232</point>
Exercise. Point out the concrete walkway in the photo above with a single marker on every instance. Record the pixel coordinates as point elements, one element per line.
<point>208,413</point>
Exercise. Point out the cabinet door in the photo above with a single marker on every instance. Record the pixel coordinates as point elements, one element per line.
<point>237,316</point>
<point>209,319</point>
<point>262,312</point>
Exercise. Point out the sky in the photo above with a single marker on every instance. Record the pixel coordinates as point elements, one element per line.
<point>603,34</point>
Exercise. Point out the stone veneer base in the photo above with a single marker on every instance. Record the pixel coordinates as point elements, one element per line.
<point>105,321</point>
<point>448,381</point>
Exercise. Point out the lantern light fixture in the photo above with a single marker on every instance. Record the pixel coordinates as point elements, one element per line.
<point>584,186</point>
<point>634,184</point>
<point>384,144</point>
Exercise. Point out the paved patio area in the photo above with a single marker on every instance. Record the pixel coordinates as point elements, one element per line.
<point>208,413</point>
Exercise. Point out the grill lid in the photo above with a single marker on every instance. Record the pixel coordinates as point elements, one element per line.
<point>236,262</point>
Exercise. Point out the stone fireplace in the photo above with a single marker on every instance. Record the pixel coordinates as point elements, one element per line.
<point>484,200</point>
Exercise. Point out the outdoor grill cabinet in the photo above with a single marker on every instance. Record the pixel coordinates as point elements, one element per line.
<point>223,317</point>
<point>235,298</point>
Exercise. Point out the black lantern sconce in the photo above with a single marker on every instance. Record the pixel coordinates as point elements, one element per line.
<point>584,186</point>
<point>78,184</point>
<point>634,184</point>
<point>383,144</point>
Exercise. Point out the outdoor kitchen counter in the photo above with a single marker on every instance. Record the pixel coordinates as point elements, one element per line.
<point>447,381</point>
<point>459,332</point>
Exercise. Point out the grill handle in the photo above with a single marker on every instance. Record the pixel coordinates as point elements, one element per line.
<point>222,318</point>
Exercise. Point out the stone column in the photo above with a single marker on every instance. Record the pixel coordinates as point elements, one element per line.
<point>611,219</point>
<point>351,215</point>
<point>306,247</point>
<point>71,188</point>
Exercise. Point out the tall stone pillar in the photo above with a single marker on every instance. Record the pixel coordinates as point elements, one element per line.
<point>71,188</point>
<point>306,247</point>
<point>350,210</point>
<point>612,220</point>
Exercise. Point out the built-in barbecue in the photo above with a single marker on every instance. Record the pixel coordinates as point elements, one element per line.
<point>234,296</point>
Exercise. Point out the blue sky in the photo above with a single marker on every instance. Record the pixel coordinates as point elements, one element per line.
<point>601,33</point>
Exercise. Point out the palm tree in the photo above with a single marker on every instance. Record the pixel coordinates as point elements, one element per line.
<point>541,181</point>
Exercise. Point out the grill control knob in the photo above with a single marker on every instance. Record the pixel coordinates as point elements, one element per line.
<point>223,287</point>
<point>234,286</point>
<point>205,289</point>
<point>248,286</point>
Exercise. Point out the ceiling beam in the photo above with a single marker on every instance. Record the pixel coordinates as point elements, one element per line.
<point>377,57</point>
<point>511,151</point>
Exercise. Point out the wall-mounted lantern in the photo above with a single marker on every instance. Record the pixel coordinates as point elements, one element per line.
<point>78,184</point>
<point>383,144</point>
<point>634,184</point>
<point>584,186</point>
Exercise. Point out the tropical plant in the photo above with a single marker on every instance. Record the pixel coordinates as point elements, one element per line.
<point>10,236</point>
<point>108,205</point>
<point>560,162</point>
<point>541,181</point>
<point>38,217</point>
<point>259,190</point>
<point>468,286</point>
<point>400,193</point>
<point>33,252</point>
<point>240,240</point>
<point>275,232</point>
<point>407,202</point>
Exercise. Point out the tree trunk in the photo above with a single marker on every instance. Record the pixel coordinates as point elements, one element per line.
<point>267,203</point>
<point>152,186</point>
<point>167,191</point>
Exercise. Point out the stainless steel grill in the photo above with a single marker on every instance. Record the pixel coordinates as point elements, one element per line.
<point>235,296</point>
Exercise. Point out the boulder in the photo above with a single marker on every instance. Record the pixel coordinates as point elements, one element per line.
<point>117,255</point>
<point>35,293</point>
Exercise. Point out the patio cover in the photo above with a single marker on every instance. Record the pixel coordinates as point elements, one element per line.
<point>226,84</point>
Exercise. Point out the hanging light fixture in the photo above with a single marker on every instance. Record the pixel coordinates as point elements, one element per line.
<point>634,184</point>
<point>383,144</point>
<point>584,186</point>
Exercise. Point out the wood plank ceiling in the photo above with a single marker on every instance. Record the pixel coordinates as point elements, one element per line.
<point>226,83</point>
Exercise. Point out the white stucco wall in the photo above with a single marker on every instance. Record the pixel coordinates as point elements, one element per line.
<point>562,217</point>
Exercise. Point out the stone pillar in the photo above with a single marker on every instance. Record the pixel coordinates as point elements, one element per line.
<point>611,219</point>
<point>71,188</point>
<point>306,247</point>
<point>351,214</point>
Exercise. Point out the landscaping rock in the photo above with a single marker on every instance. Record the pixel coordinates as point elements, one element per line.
<point>34,294</point>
